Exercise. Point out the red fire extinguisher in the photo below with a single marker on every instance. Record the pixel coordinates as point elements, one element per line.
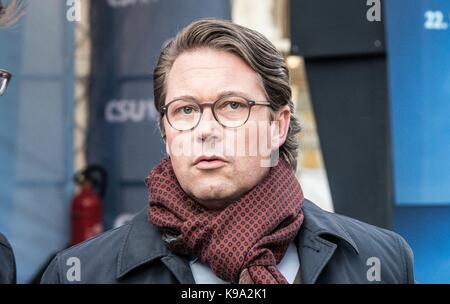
<point>86,207</point>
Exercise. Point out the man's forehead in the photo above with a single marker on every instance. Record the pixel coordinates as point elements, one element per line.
<point>192,73</point>
<point>215,91</point>
<point>209,74</point>
<point>206,63</point>
<point>212,97</point>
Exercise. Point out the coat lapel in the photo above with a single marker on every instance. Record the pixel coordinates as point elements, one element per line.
<point>143,245</point>
<point>313,249</point>
<point>179,266</point>
<point>313,254</point>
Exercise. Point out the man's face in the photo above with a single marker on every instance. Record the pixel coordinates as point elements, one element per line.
<point>205,75</point>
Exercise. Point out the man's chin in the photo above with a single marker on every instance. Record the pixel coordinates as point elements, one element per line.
<point>213,198</point>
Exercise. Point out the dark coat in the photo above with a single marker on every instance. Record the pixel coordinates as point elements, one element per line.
<point>7,262</point>
<point>332,249</point>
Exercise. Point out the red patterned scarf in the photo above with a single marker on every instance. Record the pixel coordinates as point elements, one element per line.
<point>241,243</point>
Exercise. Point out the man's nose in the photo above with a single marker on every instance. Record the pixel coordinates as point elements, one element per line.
<point>208,127</point>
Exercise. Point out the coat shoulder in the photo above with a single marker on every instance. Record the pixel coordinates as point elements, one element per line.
<point>371,242</point>
<point>353,228</point>
<point>106,242</point>
<point>101,250</point>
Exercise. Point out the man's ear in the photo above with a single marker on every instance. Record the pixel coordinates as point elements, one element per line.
<point>281,121</point>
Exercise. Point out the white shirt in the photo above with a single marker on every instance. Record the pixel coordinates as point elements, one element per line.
<point>288,266</point>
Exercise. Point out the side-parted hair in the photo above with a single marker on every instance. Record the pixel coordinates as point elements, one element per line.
<point>253,48</point>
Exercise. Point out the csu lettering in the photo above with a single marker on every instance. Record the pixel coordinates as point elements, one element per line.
<point>130,110</point>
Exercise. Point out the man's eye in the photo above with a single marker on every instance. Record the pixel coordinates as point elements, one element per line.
<point>234,105</point>
<point>185,110</point>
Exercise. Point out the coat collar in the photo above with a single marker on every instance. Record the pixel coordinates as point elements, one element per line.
<point>320,223</point>
<point>319,236</point>
<point>143,244</point>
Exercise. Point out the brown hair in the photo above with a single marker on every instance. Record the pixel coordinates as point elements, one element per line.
<point>252,47</point>
<point>11,14</point>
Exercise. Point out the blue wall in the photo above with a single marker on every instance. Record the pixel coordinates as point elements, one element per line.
<point>427,231</point>
<point>419,74</point>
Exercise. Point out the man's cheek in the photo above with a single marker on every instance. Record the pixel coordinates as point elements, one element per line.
<point>235,143</point>
<point>181,145</point>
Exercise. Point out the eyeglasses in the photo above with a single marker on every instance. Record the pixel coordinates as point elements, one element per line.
<point>229,111</point>
<point>5,76</point>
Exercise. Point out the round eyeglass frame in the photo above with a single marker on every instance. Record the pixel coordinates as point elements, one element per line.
<point>251,104</point>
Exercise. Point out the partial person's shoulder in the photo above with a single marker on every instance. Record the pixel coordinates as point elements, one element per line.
<point>4,242</point>
<point>7,262</point>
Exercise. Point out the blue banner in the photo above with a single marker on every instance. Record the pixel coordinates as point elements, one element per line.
<point>418,37</point>
<point>123,136</point>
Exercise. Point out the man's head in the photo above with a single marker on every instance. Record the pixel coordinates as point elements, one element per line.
<point>216,85</point>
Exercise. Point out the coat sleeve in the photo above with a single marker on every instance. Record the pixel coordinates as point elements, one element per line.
<point>7,262</point>
<point>408,258</point>
<point>52,273</point>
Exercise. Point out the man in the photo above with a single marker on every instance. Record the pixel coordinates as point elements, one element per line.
<point>222,208</point>
<point>8,15</point>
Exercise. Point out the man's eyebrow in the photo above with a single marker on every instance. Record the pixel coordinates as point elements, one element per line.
<point>219,96</point>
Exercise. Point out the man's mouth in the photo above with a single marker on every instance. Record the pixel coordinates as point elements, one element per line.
<point>209,162</point>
